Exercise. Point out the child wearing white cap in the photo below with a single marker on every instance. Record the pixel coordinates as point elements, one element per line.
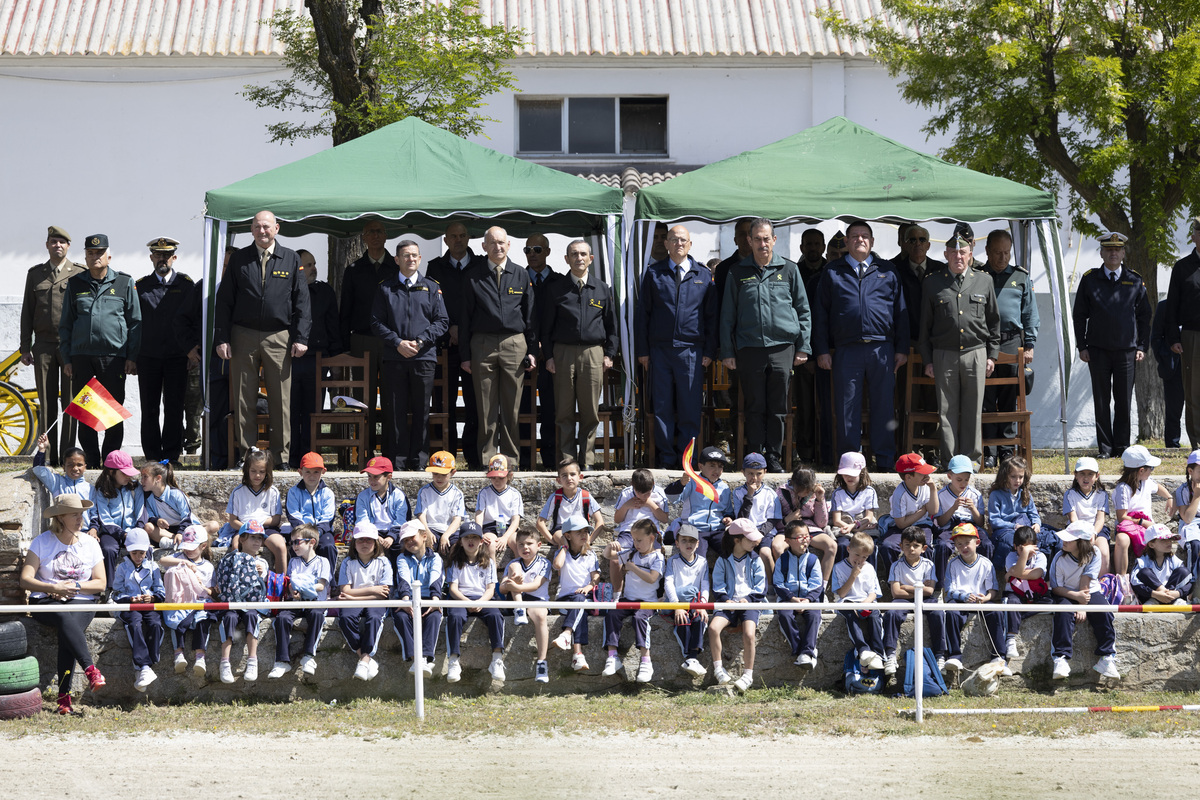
<point>139,581</point>
<point>1132,505</point>
<point>1160,577</point>
<point>1075,578</point>
<point>1087,501</point>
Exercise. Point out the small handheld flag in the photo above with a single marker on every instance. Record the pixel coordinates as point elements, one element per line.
<point>96,408</point>
<point>702,486</point>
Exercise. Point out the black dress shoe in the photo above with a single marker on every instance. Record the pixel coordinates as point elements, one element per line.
<point>774,466</point>
<point>989,462</point>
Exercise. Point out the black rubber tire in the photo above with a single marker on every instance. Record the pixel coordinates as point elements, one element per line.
<point>12,641</point>
<point>20,706</point>
<point>18,676</point>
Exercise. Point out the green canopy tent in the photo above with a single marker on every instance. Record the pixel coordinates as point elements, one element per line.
<point>841,170</point>
<point>415,177</point>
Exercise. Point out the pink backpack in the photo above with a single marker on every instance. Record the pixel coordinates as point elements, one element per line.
<point>183,585</point>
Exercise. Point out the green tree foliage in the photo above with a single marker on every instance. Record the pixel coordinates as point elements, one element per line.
<point>1093,96</point>
<point>363,65</point>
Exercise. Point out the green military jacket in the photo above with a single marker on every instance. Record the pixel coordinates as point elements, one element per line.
<point>101,318</point>
<point>765,307</point>
<point>959,318</point>
<point>41,308</point>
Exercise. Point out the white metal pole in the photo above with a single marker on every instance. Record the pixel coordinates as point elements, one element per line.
<point>418,652</point>
<point>919,650</point>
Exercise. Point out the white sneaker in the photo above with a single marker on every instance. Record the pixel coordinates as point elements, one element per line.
<point>611,665</point>
<point>145,677</point>
<point>453,670</point>
<point>372,669</point>
<point>180,663</point>
<point>889,665</point>
<point>579,663</point>
<point>1062,668</point>
<point>742,683</point>
<point>870,660</point>
<point>496,669</point>
<point>541,672</point>
<point>1107,667</point>
<point>1010,649</point>
<point>952,667</point>
<point>520,617</point>
<point>564,640</point>
<point>721,676</point>
<point>278,670</point>
<point>694,668</point>
<point>645,672</point>
<point>200,668</point>
<point>805,661</point>
<point>226,672</point>
<point>251,673</point>
<point>362,672</point>
<point>1005,670</point>
<point>941,664</point>
<point>427,667</point>
<point>308,665</point>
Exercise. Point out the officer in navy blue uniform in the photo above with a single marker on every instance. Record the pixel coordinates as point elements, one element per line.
<point>408,316</point>
<point>162,360</point>
<point>1170,370</point>
<point>675,339</point>
<point>1112,328</point>
<point>859,313</point>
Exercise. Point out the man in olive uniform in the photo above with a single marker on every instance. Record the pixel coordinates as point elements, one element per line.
<point>959,342</point>
<point>162,361</point>
<point>41,310</point>
<point>100,336</point>
<point>1112,330</point>
<point>1018,328</point>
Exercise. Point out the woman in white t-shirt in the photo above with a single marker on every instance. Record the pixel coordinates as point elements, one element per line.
<point>65,565</point>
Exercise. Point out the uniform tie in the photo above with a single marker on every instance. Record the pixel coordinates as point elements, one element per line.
<point>263,267</point>
<point>499,275</point>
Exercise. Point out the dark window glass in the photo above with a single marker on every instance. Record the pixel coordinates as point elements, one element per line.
<point>644,125</point>
<point>539,126</point>
<point>591,125</point>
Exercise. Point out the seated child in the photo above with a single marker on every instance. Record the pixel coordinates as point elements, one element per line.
<point>738,577</point>
<point>798,579</point>
<point>139,581</point>
<point>958,502</point>
<point>1075,578</point>
<point>240,578</point>
<point>498,508</point>
<point>802,499</point>
<point>568,500</point>
<point>686,581</point>
<point>854,501</point>
<point>1010,505</point>
<point>1087,501</point>
<point>193,585</point>
<point>364,575</point>
<point>257,498</point>
<point>1159,575</point>
<point>708,517</point>
<point>311,502</point>
<point>118,502</point>
<point>440,504</point>
<point>855,581</point>
<point>641,499</point>
<point>528,577</point>
<point>970,578</point>
<point>1133,500</point>
<point>640,569</point>
<point>578,574</point>
<point>757,503</point>
<point>310,576</point>
<point>1024,582</point>
<point>382,504</point>
<point>914,502</point>
<point>910,571</point>
<point>419,561</point>
<point>1187,503</point>
<point>472,576</point>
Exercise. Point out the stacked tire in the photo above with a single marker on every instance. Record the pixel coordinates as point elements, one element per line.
<point>19,693</point>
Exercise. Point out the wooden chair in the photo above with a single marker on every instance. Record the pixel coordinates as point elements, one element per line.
<point>347,428</point>
<point>262,425</point>
<point>612,419</point>
<point>439,421</point>
<point>527,441</point>
<point>914,411</point>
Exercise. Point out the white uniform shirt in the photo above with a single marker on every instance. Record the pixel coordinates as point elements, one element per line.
<point>576,572</point>
<point>540,568</point>
<point>635,588</point>
<point>684,582</point>
<point>947,498</point>
<point>1067,573</point>
<point>244,503</point>
<point>905,502</point>
<point>1129,500</point>
<point>1085,506</point>
<point>440,507</point>
<point>569,507</point>
<point>907,575</point>
<point>865,585</point>
<point>865,499</point>
<point>473,580</point>
<point>977,578</point>
<point>355,574</point>
<point>317,567</point>
<point>499,507</point>
<point>634,514</point>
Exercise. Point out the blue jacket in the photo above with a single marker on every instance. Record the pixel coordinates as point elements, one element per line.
<point>314,509</point>
<point>130,581</point>
<point>673,313</point>
<point>1004,508</point>
<point>706,514</point>
<point>174,500</point>
<point>1112,315</point>
<point>1170,365</point>
<point>116,514</point>
<point>848,309</point>
<point>394,506</point>
<point>57,484</point>
<point>798,576</point>
<point>428,570</point>
<point>726,571</point>
<point>404,312</point>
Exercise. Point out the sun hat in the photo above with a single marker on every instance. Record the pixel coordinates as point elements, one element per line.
<point>1160,531</point>
<point>69,503</point>
<point>960,464</point>
<point>365,530</point>
<point>1139,456</point>
<point>137,539</point>
<point>1087,464</point>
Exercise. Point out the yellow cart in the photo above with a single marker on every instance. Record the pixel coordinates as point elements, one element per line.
<point>18,411</point>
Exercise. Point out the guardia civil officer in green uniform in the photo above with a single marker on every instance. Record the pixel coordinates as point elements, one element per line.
<point>1018,328</point>
<point>100,337</point>
<point>959,342</point>
<point>41,309</point>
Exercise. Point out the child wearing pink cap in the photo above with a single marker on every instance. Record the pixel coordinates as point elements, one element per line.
<point>854,501</point>
<point>118,504</point>
<point>738,577</point>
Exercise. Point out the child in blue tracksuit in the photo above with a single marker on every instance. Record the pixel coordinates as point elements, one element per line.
<point>311,502</point>
<point>72,481</point>
<point>685,580</point>
<point>1159,576</point>
<point>798,579</point>
<point>383,505</point>
<point>138,581</point>
<point>1010,505</point>
<point>419,561</point>
<point>166,511</point>
<point>708,517</point>
<point>738,577</point>
<point>117,507</point>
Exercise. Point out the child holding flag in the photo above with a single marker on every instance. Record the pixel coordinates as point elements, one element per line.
<point>707,501</point>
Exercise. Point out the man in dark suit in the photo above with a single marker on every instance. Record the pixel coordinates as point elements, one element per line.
<point>537,249</point>
<point>263,319</point>
<point>162,360</point>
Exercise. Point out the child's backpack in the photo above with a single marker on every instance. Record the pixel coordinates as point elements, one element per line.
<point>932,682</point>
<point>345,510</point>
<point>1115,588</point>
<point>858,680</point>
<point>585,504</point>
<point>238,580</point>
<point>603,593</point>
<point>182,585</point>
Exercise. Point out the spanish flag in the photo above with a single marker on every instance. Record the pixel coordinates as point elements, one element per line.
<point>702,486</point>
<point>96,408</point>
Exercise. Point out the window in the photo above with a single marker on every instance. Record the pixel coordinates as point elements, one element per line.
<point>592,126</point>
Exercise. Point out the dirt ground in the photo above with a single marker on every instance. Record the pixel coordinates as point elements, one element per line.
<point>211,765</point>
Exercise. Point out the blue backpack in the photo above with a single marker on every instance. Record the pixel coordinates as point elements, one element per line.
<point>860,681</point>
<point>932,683</point>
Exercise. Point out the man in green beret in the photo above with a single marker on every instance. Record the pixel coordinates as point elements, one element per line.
<point>41,308</point>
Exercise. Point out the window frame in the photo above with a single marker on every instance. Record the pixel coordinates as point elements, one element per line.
<point>564,121</point>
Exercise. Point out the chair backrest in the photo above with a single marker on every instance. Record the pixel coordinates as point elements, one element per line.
<point>347,376</point>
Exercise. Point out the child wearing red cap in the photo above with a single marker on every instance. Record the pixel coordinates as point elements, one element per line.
<point>311,502</point>
<point>383,505</point>
<point>915,502</point>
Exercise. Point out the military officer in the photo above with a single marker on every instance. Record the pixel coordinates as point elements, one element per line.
<point>162,361</point>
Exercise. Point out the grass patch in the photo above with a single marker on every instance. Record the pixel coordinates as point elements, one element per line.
<point>764,712</point>
<point>1174,461</point>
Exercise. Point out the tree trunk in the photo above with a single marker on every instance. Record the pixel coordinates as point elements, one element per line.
<point>1148,388</point>
<point>343,251</point>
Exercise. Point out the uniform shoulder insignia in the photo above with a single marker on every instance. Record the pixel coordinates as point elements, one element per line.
<point>1019,268</point>
<point>186,278</point>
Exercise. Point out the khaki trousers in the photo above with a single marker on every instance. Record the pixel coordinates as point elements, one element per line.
<point>958,379</point>
<point>578,378</point>
<point>269,350</point>
<point>498,374</point>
